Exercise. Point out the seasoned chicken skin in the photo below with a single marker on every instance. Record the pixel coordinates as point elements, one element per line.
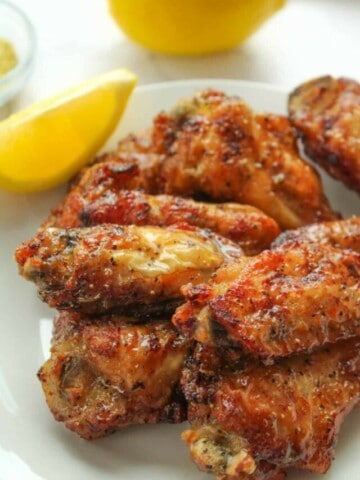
<point>214,146</point>
<point>249,227</point>
<point>279,302</point>
<point>326,114</point>
<point>124,169</point>
<point>108,267</point>
<point>340,234</point>
<point>105,374</point>
<point>134,164</point>
<point>251,421</point>
<point>217,147</point>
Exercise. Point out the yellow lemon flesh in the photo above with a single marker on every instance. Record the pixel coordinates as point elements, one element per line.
<point>46,144</point>
<point>191,27</point>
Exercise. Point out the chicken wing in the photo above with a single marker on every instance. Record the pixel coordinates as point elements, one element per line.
<point>131,166</point>
<point>105,374</point>
<point>251,421</point>
<point>112,268</point>
<point>326,114</point>
<point>220,149</point>
<point>213,146</point>
<point>279,302</point>
<point>105,178</point>
<point>247,226</point>
<point>340,234</point>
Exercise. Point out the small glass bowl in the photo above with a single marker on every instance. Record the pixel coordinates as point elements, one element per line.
<point>16,28</point>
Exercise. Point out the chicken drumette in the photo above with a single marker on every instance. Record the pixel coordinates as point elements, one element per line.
<point>106,373</point>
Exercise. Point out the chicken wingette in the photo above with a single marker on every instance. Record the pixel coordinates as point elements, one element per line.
<point>247,226</point>
<point>124,269</point>
<point>251,421</point>
<point>222,150</point>
<point>106,373</point>
<point>213,146</point>
<point>326,113</point>
<point>280,302</point>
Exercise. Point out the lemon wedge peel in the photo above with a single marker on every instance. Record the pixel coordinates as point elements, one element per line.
<point>45,144</point>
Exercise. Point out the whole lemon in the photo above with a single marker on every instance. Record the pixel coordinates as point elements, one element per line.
<point>191,27</point>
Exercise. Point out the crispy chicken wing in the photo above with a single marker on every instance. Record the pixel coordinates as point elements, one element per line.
<point>279,302</point>
<point>108,267</point>
<point>341,234</point>
<point>245,225</point>
<point>326,114</point>
<point>220,149</point>
<point>251,421</point>
<point>213,146</point>
<point>105,374</point>
<point>133,165</point>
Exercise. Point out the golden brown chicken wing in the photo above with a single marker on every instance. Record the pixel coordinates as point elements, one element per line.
<point>220,149</point>
<point>340,234</point>
<point>131,166</point>
<point>108,267</point>
<point>326,114</point>
<point>245,225</point>
<point>279,302</point>
<point>213,146</point>
<point>105,374</point>
<point>251,421</point>
<point>105,178</point>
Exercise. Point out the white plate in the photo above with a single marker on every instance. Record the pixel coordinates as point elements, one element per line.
<point>32,445</point>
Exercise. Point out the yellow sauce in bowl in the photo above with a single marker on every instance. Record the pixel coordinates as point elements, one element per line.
<point>8,57</point>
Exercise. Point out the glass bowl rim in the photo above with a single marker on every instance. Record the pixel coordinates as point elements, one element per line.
<point>25,64</point>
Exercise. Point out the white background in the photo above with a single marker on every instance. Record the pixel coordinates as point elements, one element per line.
<point>78,39</point>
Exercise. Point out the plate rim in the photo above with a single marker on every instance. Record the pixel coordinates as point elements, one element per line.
<point>203,80</point>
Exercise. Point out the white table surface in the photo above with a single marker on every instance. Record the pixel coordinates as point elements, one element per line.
<point>78,39</point>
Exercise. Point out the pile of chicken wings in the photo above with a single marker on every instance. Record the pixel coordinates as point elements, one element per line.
<point>200,274</point>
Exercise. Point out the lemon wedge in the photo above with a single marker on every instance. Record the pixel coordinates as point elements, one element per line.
<point>45,144</point>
